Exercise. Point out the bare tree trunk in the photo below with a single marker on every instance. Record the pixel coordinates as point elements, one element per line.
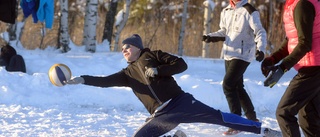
<point>108,26</point>
<point>12,28</point>
<point>89,34</point>
<point>43,33</point>
<point>276,32</point>
<point>207,25</point>
<point>269,51</point>
<point>23,21</point>
<point>63,34</point>
<point>183,25</point>
<point>124,14</point>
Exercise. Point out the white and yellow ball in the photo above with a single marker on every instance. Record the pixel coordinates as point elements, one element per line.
<point>58,73</point>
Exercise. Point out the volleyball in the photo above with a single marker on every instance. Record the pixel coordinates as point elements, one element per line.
<point>58,73</point>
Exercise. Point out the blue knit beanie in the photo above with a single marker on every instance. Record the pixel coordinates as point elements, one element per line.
<point>134,40</point>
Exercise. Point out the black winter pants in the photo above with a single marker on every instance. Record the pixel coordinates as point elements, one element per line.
<point>186,109</point>
<point>234,91</point>
<point>302,97</point>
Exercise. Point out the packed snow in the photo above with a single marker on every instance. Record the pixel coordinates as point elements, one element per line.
<point>31,106</point>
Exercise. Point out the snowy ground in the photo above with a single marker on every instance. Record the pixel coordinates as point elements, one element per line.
<point>31,106</point>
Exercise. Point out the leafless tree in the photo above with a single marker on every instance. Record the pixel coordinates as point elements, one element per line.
<point>109,23</point>
<point>89,34</point>
<point>182,29</point>
<point>63,29</point>
<point>121,22</point>
<point>208,8</point>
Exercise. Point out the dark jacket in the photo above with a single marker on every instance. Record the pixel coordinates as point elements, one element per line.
<point>152,92</point>
<point>8,11</point>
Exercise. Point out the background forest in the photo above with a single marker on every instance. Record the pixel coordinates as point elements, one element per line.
<point>159,23</point>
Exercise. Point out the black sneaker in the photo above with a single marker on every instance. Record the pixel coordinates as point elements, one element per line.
<point>267,132</point>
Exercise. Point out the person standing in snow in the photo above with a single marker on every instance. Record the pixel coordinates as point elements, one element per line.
<point>301,50</point>
<point>149,74</point>
<point>244,39</point>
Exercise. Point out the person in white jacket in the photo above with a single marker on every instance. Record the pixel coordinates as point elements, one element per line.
<point>244,40</point>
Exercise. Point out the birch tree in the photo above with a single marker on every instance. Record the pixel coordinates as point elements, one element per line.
<point>183,25</point>
<point>90,23</point>
<point>110,17</point>
<point>63,30</point>
<point>208,8</point>
<point>270,28</point>
<point>121,20</point>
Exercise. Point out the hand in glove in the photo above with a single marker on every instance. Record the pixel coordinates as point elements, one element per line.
<point>204,37</point>
<point>151,72</point>
<point>277,73</point>
<point>75,80</point>
<point>208,39</point>
<point>266,65</point>
<point>259,55</point>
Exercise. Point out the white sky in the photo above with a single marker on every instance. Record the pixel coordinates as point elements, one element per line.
<point>31,106</point>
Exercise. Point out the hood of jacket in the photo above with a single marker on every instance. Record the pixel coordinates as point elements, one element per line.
<point>239,4</point>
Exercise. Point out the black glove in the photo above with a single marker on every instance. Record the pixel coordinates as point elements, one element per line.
<point>266,65</point>
<point>209,39</point>
<point>277,73</point>
<point>259,55</point>
<point>204,37</point>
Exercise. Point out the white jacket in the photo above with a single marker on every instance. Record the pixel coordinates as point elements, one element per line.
<point>243,31</point>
